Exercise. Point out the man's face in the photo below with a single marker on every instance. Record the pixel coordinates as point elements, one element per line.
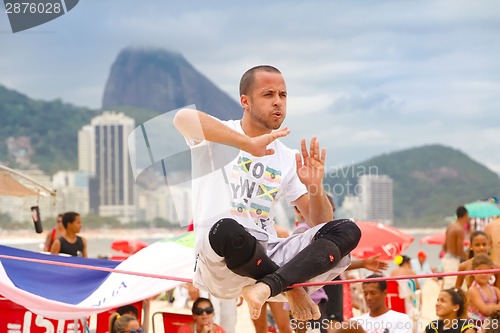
<point>374,297</point>
<point>267,101</point>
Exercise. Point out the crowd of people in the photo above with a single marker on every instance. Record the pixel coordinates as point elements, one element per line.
<point>471,304</point>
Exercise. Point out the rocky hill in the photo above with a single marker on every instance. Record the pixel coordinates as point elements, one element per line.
<point>162,81</point>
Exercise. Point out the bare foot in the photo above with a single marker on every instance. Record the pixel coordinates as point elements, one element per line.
<point>256,296</point>
<point>301,305</point>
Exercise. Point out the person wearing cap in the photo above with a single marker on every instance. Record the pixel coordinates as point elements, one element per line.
<point>421,266</point>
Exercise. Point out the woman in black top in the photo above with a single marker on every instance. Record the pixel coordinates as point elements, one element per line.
<point>452,311</point>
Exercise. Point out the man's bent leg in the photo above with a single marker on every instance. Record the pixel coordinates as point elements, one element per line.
<point>244,256</point>
<point>241,251</point>
<point>330,244</point>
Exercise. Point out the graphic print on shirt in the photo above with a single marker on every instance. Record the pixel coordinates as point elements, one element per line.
<point>254,187</point>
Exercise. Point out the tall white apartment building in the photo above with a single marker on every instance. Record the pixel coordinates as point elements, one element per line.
<point>103,152</point>
<point>376,198</point>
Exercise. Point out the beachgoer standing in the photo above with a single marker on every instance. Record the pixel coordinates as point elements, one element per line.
<point>454,246</point>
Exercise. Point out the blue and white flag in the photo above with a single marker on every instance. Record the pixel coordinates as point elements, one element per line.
<point>62,292</point>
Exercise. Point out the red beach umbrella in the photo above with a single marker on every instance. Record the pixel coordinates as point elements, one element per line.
<point>380,238</point>
<point>128,246</point>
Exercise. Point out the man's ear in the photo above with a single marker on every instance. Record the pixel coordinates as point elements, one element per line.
<point>245,101</point>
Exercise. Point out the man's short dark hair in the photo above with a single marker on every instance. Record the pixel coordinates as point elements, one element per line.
<point>382,285</point>
<point>248,79</point>
<point>69,217</point>
<point>461,211</point>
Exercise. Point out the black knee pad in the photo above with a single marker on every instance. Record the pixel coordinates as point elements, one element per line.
<point>320,256</point>
<point>344,233</point>
<point>230,240</point>
<point>241,251</point>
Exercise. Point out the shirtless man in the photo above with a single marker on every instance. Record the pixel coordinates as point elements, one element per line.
<point>492,229</point>
<point>240,171</point>
<point>454,246</point>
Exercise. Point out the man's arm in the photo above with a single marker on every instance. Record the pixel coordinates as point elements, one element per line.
<point>308,204</point>
<point>315,207</point>
<point>198,126</point>
<point>372,263</point>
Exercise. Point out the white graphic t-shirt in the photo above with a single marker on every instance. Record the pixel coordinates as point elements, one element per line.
<point>228,182</point>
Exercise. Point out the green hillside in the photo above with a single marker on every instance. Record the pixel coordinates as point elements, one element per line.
<point>429,182</point>
<point>51,126</point>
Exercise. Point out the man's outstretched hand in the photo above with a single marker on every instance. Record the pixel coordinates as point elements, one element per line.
<point>374,264</point>
<point>311,165</point>
<point>257,146</point>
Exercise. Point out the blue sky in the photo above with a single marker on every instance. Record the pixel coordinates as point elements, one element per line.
<point>367,77</point>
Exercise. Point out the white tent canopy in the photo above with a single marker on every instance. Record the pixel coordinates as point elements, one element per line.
<point>11,186</point>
